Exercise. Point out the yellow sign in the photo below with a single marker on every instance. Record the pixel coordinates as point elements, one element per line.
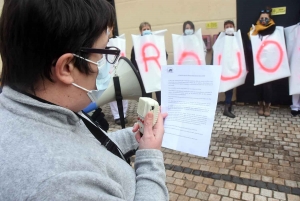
<point>212,25</point>
<point>279,11</point>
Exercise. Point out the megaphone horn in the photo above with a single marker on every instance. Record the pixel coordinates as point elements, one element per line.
<point>132,87</point>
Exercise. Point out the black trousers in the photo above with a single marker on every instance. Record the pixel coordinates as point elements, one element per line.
<point>264,92</point>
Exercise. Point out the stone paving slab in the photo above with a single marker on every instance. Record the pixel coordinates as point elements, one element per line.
<point>256,149</point>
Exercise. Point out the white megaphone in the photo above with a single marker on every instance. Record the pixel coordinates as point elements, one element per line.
<point>132,87</point>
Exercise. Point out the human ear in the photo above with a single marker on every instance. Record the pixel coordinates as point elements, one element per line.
<point>64,68</point>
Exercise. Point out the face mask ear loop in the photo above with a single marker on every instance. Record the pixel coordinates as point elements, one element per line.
<point>75,55</point>
<point>80,87</point>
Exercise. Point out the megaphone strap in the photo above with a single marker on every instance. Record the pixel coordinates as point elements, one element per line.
<point>95,130</point>
<point>119,98</point>
<point>102,137</point>
<point>105,141</point>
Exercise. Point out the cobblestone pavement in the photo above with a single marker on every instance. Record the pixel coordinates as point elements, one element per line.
<point>250,158</point>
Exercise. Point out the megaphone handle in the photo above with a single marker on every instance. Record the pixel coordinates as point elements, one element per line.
<point>92,106</point>
<point>119,99</point>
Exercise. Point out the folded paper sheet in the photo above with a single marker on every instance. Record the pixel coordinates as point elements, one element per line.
<point>292,35</point>
<point>229,53</point>
<point>270,57</point>
<point>189,96</point>
<point>189,49</point>
<point>150,55</point>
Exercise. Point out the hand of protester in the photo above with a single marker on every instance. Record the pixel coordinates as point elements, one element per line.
<point>152,136</point>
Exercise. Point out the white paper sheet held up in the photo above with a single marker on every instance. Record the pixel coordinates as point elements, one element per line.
<point>189,96</point>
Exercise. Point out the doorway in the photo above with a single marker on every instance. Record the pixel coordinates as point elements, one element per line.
<point>247,14</point>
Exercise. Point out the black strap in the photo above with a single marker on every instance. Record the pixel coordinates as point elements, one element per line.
<point>119,99</point>
<point>104,139</point>
<point>95,130</point>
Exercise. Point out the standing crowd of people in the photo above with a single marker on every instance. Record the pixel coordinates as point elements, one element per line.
<point>264,27</point>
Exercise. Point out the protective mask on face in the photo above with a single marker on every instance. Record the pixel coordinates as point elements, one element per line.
<point>102,79</point>
<point>94,95</point>
<point>188,32</point>
<point>229,31</point>
<point>264,21</point>
<point>147,32</point>
<point>103,76</point>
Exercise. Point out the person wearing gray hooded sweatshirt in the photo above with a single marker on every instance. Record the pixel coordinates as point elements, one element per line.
<point>53,66</point>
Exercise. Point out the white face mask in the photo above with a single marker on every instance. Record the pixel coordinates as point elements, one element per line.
<point>102,80</point>
<point>189,31</point>
<point>229,31</point>
<point>147,32</point>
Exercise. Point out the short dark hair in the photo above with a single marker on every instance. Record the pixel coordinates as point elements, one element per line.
<point>35,33</point>
<point>190,23</point>
<point>229,22</point>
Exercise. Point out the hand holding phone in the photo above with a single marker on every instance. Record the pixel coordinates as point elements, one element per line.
<point>146,105</point>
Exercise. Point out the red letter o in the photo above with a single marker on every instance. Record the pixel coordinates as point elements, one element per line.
<point>275,68</point>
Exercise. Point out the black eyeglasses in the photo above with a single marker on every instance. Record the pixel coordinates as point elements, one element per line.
<point>111,53</point>
<point>265,11</point>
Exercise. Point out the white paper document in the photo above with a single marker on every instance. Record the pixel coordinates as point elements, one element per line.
<point>189,96</point>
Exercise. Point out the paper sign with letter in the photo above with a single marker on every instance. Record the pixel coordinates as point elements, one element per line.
<point>119,42</point>
<point>229,53</point>
<point>269,57</point>
<point>292,35</point>
<point>189,49</point>
<point>150,55</point>
<point>189,96</point>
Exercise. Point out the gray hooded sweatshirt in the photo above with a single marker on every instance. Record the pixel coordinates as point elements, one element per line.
<point>47,153</point>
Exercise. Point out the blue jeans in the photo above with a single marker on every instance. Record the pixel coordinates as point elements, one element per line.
<point>228,96</point>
